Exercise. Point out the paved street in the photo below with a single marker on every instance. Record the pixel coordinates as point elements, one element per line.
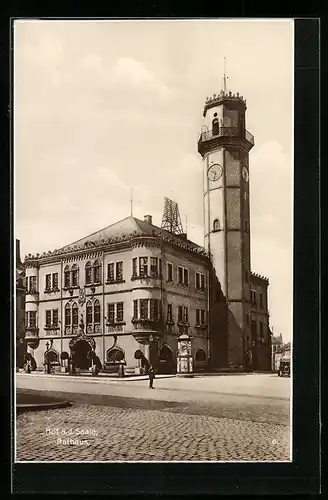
<point>127,421</point>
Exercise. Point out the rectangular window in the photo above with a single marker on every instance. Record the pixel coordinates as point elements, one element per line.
<point>200,281</point>
<point>261,300</point>
<point>186,277</point>
<point>261,330</point>
<point>143,266</point>
<point>169,272</point>
<point>197,316</point>
<point>48,282</point>
<point>202,317</point>
<point>153,266</point>
<point>75,277</point>
<point>75,315</point>
<point>67,316</point>
<point>32,288</point>
<point>119,311</point>
<point>135,309</point>
<point>97,269</point>
<point>119,271</point>
<point>169,312</point>
<point>48,319</point>
<point>185,314</point>
<point>180,275</point>
<point>89,315</point>
<point>110,272</point>
<point>32,319</point>
<point>111,313</point>
<point>254,329</point>
<point>134,267</point>
<point>143,308</point>
<point>253,297</point>
<point>88,275</point>
<point>55,318</point>
<point>180,314</point>
<point>67,279</point>
<point>154,309</point>
<point>55,281</point>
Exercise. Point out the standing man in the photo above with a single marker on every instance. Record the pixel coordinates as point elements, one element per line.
<point>151,374</point>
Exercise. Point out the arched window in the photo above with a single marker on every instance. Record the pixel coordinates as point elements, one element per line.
<point>215,125</point>
<point>89,313</point>
<point>216,225</point>
<point>75,275</point>
<point>166,354</point>
<point>88,273</point>
<point>97,271</point>
<point>200,355</point>
<point>67,277</point>
<point>75,314</point>
<point>96,311</point>
<point>52,356</point>
<point>68,316</point>
<point>115,355</point>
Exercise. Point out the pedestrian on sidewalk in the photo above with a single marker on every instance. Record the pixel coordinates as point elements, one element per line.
<point>151,374</point>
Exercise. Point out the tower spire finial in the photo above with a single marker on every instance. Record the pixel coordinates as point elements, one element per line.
<point>225,75</point>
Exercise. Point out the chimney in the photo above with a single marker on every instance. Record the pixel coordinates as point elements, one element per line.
<point>148,219</point>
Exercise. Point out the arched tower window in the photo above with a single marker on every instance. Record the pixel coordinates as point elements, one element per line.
<point>88,273</point>
<point>215,125</point>
<point>67,277</point>
<point>75,275</point>
<point>216,225</point>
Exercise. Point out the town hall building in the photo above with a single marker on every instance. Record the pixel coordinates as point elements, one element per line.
<point>129,291</point>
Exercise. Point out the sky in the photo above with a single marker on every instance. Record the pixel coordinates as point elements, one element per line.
<point>103,107</point>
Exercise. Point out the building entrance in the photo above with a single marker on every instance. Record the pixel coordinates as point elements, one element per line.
<point>80,355</point>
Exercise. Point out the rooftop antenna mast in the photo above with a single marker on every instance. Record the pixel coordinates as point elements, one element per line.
<point>131,202</point>
<point>171,220</point>
<point>225,78</point>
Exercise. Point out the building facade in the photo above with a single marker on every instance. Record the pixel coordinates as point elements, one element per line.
<point>20,308</point>
<point>135,288</point>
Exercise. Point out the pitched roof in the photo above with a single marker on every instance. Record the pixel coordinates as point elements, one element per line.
<point>125,227</point>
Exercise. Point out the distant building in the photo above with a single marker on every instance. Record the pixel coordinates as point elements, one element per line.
<point>260,331</point>
<point>20,308</point>
<point>281,351</point>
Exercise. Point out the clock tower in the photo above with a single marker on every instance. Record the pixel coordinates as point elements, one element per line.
<point>224,145</point>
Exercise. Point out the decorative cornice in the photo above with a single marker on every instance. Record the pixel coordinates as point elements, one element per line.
<point>78,252</point>
<point>221,97</point>
<point>260,277</point>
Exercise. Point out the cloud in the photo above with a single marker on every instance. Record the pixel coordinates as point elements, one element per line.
<point>130,73</point>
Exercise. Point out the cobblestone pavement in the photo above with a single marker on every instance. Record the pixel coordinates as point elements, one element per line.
<point>144,435</point>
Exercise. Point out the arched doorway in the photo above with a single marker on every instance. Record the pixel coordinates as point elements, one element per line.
<point>200,360</point>
<point>80,354</point>
<point>166,363</point>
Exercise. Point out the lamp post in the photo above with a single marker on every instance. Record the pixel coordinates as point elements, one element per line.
<point>151,340</point>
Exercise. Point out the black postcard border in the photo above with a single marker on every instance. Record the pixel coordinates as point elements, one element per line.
<point>302,476</point>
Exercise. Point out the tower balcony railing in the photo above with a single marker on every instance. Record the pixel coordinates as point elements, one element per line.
<point>226,132</point>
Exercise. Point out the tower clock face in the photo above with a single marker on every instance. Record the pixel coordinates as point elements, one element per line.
<point>215,172</point>
<point>245,174</point>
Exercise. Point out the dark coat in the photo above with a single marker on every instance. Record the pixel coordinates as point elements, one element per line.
<point>151,373</point>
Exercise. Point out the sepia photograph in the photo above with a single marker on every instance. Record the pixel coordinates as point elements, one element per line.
<point>153,240</point>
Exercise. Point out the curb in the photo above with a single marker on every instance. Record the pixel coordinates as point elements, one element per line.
<point>42,406</point>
